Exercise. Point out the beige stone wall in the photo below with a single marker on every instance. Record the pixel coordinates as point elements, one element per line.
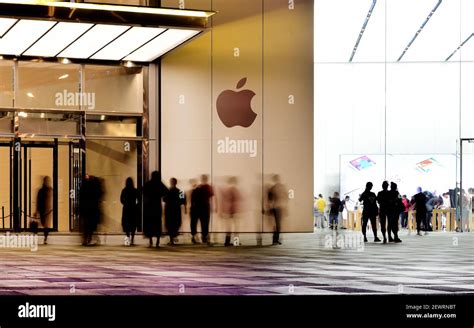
<point>268,42</point>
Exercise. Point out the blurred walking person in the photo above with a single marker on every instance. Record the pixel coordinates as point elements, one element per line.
<point>320,206</point>
<point>277,198</point>
<point>44,207</point>
<point>90,197</point>
<point>420,207</point>
<point>369,211</point>
<point>174,201</point>
<point>404,214</point>
<point>230,200</point>
<point>335,207</point>
<point>201,199</point>
<point>153,192</point>
<point>129,200</point>
<point>383,199</point>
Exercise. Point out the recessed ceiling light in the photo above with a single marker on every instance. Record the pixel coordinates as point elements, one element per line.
<point>62,77</point>
<point>29,94</point>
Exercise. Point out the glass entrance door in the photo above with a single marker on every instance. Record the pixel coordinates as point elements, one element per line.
<point>38,171</point>
<point>26,166</point>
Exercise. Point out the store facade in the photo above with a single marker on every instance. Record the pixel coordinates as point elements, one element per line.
<point>123,115</point>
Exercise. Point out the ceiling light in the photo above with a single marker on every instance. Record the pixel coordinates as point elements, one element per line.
<point>127,43</point>
<point>64,61</point>
<point>93,40</point>
<point>5,24</point>
<point>22,35</point>
<point>62,77</point>
<point>29,94</point>
<point>460,46</point>
<point>57,39</point>
<point>364,26</point>
<point>117,8</point>
<point>419,30</point>
<point>161,45</point>
<point>22,114</point>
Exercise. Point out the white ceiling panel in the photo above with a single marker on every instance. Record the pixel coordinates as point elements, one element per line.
<point>161,45</point>
<point>5,24</point>
<point>94,40</point>
<point>127,43</point>
<point>21,36</point>
<point>58,38</point>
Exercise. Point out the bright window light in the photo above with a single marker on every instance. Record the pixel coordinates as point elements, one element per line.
<point>161,45</point>
<point>117,8</point>
<point>93,40</point>
<point>127,43</point>
<point>23,35</point>
<point>60,36</point>
<point>5,24</point>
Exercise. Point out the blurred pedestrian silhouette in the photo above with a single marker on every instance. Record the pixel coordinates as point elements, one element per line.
<point>153,192</point>
<point>394,208</point>
<point>201,204</point>
<point>383,199</point>
<point>334,209</point>
<point>44,207</point>
<point>420,207</point>
<point>230,200</point>
<point>404,214</point>
<point>277,198</point>
<point>90,197</point>
<point>129,199</point>
<point>174,200</point>
<point>319,208</point>
<point>369,212</point>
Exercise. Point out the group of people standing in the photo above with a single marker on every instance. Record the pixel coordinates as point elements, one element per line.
<point>389,207</point>
<point>201,200</point>
<point>154,194</point>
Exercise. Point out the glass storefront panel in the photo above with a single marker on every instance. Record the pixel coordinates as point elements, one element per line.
<point>112,162</point>
<point>49,124</point>
<point>6,83</point>
<point>48,85</point>
<point>6,122</point>
<point>114,88</point>
<point>102,125</point>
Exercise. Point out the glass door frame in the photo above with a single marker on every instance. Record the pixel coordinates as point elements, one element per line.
<point>22,187</point>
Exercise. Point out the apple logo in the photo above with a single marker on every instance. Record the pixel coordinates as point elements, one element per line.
<point>233,107</point>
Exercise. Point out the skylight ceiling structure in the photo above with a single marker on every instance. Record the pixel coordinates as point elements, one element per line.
<point>393,30</point>
<point>84,31</point>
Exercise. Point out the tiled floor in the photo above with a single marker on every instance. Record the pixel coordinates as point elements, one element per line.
<point>318,263</point>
